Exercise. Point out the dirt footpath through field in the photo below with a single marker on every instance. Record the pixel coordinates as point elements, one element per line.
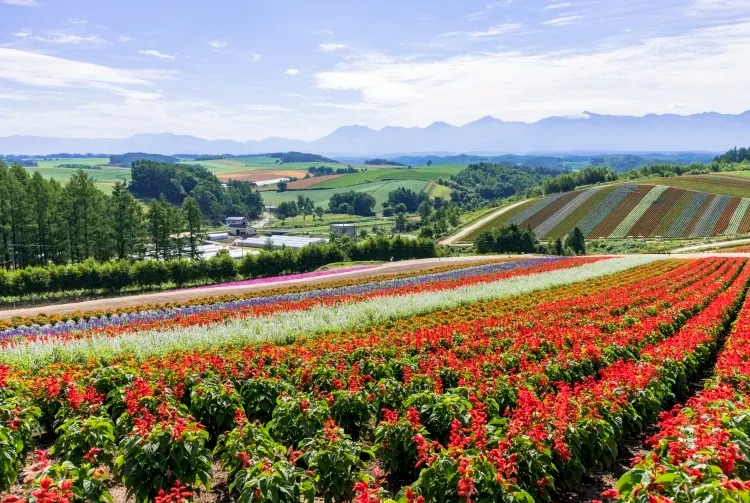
<point>214,291</point>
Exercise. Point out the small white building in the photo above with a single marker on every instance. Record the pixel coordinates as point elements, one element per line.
<point>349,229</point>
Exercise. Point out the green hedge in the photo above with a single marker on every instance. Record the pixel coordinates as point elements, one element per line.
<point>114,276</point>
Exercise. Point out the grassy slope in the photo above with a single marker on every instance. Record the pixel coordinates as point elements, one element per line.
<point>379,190</point>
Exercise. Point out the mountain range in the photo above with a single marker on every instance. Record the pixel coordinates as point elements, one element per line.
<point>589,132</point>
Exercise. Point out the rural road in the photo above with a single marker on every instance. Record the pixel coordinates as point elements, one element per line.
<point>712,246</point>
<point>215,291</point>
<point>450,240</point>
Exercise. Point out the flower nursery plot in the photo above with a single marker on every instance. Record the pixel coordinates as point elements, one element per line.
<point>504,381</point>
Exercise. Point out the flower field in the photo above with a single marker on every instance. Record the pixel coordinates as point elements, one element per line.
<point>639,210</point>
<point>505,381</point>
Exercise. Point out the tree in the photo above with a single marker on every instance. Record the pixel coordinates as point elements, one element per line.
<point>84,210</point>
<point>576,241</point>
<point>282,185</point>
<point>193,218</point>
<point>429,163</point>
<point>557,247</point>
<point>124,222</point>
<point>319,212</point>
<point>305,205</point>
<point>287,209</point>
<point>400,222</point>
<point>425,210</point>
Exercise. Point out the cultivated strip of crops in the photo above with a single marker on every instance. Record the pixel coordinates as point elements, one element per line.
<point>739,214</point>
<point>681,225</point>
<point>583,211</point>
<point>640,209</point>
<point>543,229</point>
<point>622,210</point>
<point>597,215</point>
<point>708,220</point>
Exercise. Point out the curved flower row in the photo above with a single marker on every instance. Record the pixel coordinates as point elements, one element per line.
<point>165,314</point>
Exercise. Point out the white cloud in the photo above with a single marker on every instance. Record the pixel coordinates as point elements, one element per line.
<point>492,31</point>
<point>698,70</point>
<point>42,71</point>
<point>75,20</point>
<point>292,71</point>
<point>23,3</point>
<point>331,47</point>
<point>562,5</point>
<point>257,57</point>
<point>156,54</point>
<point>69,39</point>
<point>701,5</point>
<point>218,44</point>
<point>124,38</point>
<point>562,21</point>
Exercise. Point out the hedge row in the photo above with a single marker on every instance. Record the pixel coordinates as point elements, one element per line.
<point>114,276</point>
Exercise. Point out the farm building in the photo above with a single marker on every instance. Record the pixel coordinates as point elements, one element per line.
<point>349,229</point>
<point>238,226</point>
<point>276,242</point>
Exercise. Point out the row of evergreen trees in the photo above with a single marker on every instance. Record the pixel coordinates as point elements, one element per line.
<point>43,221</point>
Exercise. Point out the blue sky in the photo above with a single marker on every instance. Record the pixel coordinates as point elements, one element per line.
<point>300,68</point>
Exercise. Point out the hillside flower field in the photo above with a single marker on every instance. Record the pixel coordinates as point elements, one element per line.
<point>504,381</point>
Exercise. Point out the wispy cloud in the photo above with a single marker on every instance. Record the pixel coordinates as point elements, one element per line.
<point>562,21</point>
<point>124,39</point>
<point>75,20</point>
<point>492,31</point>
<point>331,47</point>
<point>218,45</point>
<point>43,71</point>
<point>60,38</point>
<point>156,54</point>
<point>257,57</point>
<point>561,5</point>
<point>292,71</point>
<point>476,16</point>
<point>22,3</point>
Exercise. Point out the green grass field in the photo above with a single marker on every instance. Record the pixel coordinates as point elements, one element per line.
<point>427,174</point>
<point>379,190</point>
<point>105,178</point>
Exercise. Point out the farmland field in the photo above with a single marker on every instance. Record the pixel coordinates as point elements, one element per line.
<point>633,210</point>
<point>379,190</point>
<point>506,380</point>
<point>104,178</point>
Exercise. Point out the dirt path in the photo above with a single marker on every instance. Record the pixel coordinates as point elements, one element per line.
<point>451,240</point>
<point>713,246</point>
<point>214,291</point>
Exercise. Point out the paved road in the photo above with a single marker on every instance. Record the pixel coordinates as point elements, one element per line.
<point>199,293</point>
<point>712,246</point>
<point>451,240</point>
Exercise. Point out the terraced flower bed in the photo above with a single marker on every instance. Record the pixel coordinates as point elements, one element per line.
<point>506,381</point>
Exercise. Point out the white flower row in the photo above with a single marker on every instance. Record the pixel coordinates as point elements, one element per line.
<point>287,326</point>
<point>636,213</point>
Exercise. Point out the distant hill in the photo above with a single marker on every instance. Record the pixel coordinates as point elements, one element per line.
<point>633,209</point>
<point>125,160</point>
<point>587,133</point>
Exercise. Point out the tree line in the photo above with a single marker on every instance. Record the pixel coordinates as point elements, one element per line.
<point>43,221</point>
<point>513,239</point>
<point>117,275</point>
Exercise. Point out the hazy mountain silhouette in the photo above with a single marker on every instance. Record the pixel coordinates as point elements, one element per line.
<point>709,131</point>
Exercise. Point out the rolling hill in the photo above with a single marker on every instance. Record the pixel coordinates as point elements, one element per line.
<point>633,210</point>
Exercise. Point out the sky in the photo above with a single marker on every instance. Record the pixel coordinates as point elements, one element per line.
<point>250,69</point>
